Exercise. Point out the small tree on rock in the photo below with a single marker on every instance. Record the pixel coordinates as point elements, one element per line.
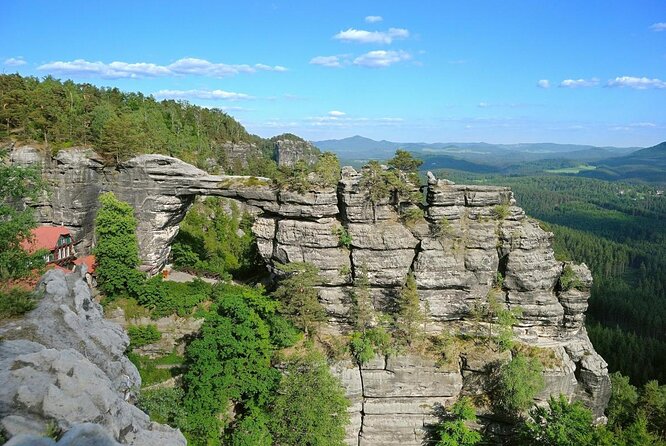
<point>410,318</point>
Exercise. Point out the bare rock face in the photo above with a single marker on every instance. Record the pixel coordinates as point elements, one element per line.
<point>71,371</point>
<point>290,149</point>
<point>469,237</point>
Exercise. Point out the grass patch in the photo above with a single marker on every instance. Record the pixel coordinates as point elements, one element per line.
<point>154,371</point>
<point>546,356</point>
<point>130,307</point>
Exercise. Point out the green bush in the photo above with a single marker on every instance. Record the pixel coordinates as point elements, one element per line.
<point>517,383</point>
<point>365,345</point>
<point>453,430</point>
<point>164,405</point>
<point>143,335</point>
<point>344,237</point>
<point>569,279</point>
<point>16,302</point>
<point>412,215</point>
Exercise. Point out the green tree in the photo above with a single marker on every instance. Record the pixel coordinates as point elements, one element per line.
<point>298,296</point>
<point>453,431</point>
<point>409,318</point>
<point>117,250</point>
<point>405,162</point>
<point>622,405</point>
<point>327,169</point>
<point>517,383</point>
<point>229,365</point>
<point>17,184</point>
<point>560,424</point>
<point>310,408</point>
<point>373,182</point>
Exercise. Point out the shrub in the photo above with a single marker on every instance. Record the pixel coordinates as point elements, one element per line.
<point>164,405</point>
<point>143,335</point>
<point>16,302</point>
<point>453,430</point>
<point>344,237</point>
<point>412,215</point>
<point>501,211</point>
<point>569,279</point>
<point>517,383</point>
<point>365,345</point>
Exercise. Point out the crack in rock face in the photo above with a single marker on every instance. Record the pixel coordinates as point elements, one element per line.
<point>467,236</point>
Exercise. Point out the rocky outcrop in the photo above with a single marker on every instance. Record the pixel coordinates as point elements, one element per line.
<point>63,366</point>
<point>469,239</point>
<point>289,149</point>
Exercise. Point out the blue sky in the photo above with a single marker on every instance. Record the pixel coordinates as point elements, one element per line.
<point>590,72</point>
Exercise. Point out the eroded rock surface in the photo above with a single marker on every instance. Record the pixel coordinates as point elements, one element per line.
<point>468,235</point>
<point>63,365</point>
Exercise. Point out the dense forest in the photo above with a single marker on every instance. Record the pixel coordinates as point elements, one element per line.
<point>619,231</point>
<point>58,114</point>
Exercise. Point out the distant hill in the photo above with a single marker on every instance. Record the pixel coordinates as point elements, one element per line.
<point>645,165</point>
<point>491,157</point>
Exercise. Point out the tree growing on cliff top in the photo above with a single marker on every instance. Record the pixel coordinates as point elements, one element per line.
<point>117,250</point>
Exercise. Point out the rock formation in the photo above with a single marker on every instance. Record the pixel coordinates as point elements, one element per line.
<point>468,235</point>
<point>290,148</point>
<point>63,366</point>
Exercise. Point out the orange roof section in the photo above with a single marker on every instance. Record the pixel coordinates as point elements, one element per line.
<point>44,237</point>
<point>89,261</point>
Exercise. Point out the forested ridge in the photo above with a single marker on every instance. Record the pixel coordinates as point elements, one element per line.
<point>57,114</point>
<point>619,231</point>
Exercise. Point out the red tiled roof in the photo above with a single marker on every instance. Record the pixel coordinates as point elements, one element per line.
<point>44,237</point>
<point>89,261</point>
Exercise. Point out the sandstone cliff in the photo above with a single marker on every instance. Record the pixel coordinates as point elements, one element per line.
<point>468,235</point>
<point>63,366</point>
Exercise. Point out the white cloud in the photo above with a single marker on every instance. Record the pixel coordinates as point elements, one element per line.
<point>643,124</point>
<point>362,36</point>
<point>336,113</point>
<point>185,66</point>
<point>374,19</point>
<point>381,58</point>
<point>543,83</point>
<point>202,94</point>
<point>579,83</point>
<point>483,105</point>
<point>15,62</point>
<point>327,61</point>
<point>661,26</point>
<point>639,83</point>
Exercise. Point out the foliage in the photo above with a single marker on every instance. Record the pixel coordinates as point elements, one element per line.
<point>624,397</point>
<point>569,279</point>
<point>560,424</point>
<point>298,296</point>
<point>153,370</point>
<point>251,430</point>
<point>453,430</point>
<point>165,298</point>
<point>117,250</point>
<point>409,318</point>
<point>405,161</point>
<point>17,184</point>
<point>143,335</point>
<point>164,405</point>
<point>344,237</point>
<point>61,114</point>
<point>216,239</point>
<point>517,383</point>
<point>327,170</point>
<point>367,344</point>
<point>15,302</point>
<point>310,407</point>
<point>362,312</point>
<point>411,215</point>
<point>230,363</point>
<point>501,211</point>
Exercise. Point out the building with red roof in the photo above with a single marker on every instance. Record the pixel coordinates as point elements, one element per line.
<point>57,240</point>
